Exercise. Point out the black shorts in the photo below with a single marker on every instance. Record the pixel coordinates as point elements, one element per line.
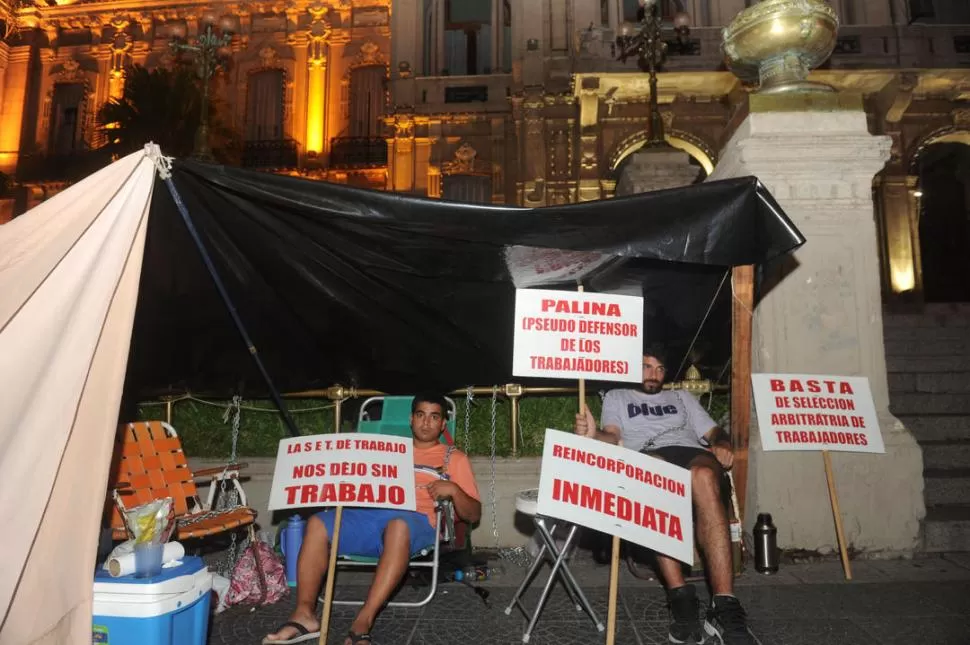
<point>681,455</point>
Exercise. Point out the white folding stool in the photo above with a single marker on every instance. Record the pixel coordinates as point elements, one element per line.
<point>526,502</point>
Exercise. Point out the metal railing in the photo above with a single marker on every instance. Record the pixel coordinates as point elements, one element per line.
<point>70,167</point>
<point>270,154</point>
<point>358,152</point>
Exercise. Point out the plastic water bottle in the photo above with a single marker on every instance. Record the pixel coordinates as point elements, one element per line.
<point>765,545</point>
<point>472,574</point>
<point>290,543</point>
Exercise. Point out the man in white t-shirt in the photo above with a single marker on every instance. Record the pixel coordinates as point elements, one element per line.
<point>671,425</point>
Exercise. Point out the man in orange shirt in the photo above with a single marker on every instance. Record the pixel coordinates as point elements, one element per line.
<point>388,534</point>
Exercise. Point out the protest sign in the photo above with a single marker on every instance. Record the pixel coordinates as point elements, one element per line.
<point>340,470</point>
<point>617,491</point>
<point>563,334</point>
<point>809,412</point>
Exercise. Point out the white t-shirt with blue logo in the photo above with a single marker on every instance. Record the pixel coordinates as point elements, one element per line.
<point>668,418</point>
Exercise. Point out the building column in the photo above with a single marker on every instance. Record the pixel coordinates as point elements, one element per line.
<point>898,209</point>
<point>317,53</point>
<point>498,190</point>
<point>400,153</point>
<point>820,312</point>
<point>5,165</point>
<point>439,36</point>
<point>589,142</point>
<point>118,59</point>
<point>532,168</point>
<point>611,18</point>
<point>14,65</point>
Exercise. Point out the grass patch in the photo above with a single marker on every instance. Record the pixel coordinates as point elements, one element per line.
<point>206,433</point>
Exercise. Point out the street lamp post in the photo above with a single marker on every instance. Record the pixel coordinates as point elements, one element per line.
<point>644,40</point>
<point>211,49</point>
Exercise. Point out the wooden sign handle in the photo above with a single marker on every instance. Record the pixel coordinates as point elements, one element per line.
<point>834,497</point>
<point>615,558</point>
<point>334,545</point>
<point>614,592</point>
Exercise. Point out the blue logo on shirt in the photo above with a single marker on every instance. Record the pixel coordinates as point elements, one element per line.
<point>635,410</point>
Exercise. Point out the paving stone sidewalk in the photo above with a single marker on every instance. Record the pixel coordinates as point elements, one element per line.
<point>904,602</point>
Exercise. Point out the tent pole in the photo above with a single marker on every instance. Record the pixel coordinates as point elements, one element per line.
<point>742,313</point>
<point>221,288</point>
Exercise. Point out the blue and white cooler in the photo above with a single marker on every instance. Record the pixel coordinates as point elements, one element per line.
<point>171,608</point>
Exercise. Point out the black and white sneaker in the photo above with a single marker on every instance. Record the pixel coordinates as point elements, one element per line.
<point>685,626</point>
<point>726,622</point>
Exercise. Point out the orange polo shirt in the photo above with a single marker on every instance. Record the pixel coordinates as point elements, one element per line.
<point>459,471</point>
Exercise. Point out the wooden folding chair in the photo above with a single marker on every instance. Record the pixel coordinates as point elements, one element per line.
<point>152,466</point>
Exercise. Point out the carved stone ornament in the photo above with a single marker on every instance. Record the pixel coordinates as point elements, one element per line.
<point>369,54</point>
<point>318,11</point>
<point>122,43</point>
<point>961,117</point>
<point>267,56</point>
<point>466,162</point>
<point>403,126</point>
<point>668,119</point>
<point>70,71</point>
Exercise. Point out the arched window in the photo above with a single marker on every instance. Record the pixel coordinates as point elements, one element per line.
<point>66,132</point>
<point>264,109</point>
<point>468,37</point>
<point>366,108</point>
<point>944,221</point>
<point>461,38</point>
<point>631,9</point>
<point>940,12</point>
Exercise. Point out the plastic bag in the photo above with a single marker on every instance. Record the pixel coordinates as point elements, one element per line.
<point>151,523</point>
<point>258,577</point>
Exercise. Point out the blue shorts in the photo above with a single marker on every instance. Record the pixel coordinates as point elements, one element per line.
<point>362,530</point>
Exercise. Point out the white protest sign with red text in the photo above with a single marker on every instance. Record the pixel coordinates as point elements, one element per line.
<point>373,471</point>
<point>562,334</point>
<point>617,491</point>
<point>810,412</point>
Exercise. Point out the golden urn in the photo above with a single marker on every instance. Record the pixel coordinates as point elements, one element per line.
<point>776,43</point>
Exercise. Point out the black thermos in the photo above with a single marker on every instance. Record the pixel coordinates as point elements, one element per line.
<point>765,545</point>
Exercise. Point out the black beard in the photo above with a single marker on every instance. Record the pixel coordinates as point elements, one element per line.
<point>652,388</point>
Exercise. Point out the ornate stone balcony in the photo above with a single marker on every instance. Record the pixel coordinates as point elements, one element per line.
<point>56,168</point>
<point>358,152</point>
<point>270,154</point>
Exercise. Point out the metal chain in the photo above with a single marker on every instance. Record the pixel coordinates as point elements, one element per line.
<point>229,495</point>
<point>469,397</point>
<point>492,448</point>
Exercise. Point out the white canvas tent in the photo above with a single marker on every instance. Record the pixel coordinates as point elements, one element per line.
<point>322,271</point>
<point>69,273</point>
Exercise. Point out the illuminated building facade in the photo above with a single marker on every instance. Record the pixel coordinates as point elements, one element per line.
<point>497,101</point>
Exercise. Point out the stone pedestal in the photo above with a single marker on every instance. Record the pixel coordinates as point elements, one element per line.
<point>820,313</point>
<point>652,169</point>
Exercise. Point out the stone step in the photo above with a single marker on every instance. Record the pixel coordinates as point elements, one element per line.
<point>934,315</point>
<point>940,427</point>
<point>946,486</point>
<point>929,347</point>
<point>947,528</point>
<point>921,364</point>
<point>931,383</point>
<point>920,334</point>
<point>929,404</point>
<point>947,455</point>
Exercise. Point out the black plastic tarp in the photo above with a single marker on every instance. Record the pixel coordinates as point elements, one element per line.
<point>397,293</point>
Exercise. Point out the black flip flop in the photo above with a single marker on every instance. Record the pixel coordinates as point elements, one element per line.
<point>302,636</point>
<point>358,638</point>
